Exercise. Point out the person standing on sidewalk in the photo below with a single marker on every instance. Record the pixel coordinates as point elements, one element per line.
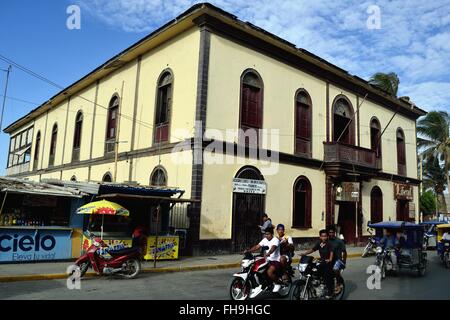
<point>339,256</point>
<point>267,223</point>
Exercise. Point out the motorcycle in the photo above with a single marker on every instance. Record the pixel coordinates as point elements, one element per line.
<point>311,285</point>
<point>371,245</point>
<point>124,262</point>
<point>253,280</point>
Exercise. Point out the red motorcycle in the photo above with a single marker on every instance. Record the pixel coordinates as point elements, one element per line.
<point>106,260</point>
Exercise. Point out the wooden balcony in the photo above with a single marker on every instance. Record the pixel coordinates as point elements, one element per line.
<point>344,157</point>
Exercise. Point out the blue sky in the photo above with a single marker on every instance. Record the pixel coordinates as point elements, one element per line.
<point>413,41</point>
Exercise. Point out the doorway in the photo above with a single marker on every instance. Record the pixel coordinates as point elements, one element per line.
<point>248,209</point>
<point>403,210</point>
<point>347,221</point>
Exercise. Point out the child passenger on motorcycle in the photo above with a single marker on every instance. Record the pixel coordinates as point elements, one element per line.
<point>326,255</point>
<point>272,255</point>
<point>286,248</point>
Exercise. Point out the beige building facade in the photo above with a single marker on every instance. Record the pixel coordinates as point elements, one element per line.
<point>341,150</point>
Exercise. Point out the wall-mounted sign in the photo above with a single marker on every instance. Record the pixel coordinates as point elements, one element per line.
<point>403,191</point>
<point>34,245</point>
<point>347,191</point>
<point>249,186</point>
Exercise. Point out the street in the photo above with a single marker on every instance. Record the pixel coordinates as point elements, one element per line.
<point>207,285</point>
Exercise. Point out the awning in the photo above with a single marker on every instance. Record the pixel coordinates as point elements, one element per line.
<point>21,186</point>
<point>148,199</point>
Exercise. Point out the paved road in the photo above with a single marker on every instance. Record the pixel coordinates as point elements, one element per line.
<point>203,285</point>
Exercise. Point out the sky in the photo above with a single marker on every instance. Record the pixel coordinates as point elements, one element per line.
<point>410,38</point>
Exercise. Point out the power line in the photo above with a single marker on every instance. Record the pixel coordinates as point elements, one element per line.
<point>46,80</point>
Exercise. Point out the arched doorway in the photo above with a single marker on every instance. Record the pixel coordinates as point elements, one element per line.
<point>376,205</point>
<point>248,209</point>
<point>343,124</point>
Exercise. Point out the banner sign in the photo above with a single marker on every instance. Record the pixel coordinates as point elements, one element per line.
<point>167,248</point>
<point>348,191</point>
<point>34,245</point>
<point>403,191</point>
<point>249,186</point>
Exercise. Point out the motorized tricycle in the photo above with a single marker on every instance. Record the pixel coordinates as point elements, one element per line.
<point>443,245</point>
<point>406,250</point>
<point>430,234</point>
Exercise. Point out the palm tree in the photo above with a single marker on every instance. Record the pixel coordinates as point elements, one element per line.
<point>434,128</point>
<point>434,178</point>
<point>387,82</point>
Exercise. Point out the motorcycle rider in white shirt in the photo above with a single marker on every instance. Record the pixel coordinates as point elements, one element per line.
<point>272,255</point>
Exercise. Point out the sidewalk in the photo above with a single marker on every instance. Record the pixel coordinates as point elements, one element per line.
<point>57,270</point>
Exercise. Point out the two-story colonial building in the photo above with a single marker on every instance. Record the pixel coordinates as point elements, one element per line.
<point>346,150</point>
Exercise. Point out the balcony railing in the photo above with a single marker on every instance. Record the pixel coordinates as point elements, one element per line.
<point>340,152</point>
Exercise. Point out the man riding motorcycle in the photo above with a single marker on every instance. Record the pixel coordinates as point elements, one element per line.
<point>339,256</point>
<point>286,248</point>
<point>272,255</point>
<point>327,256</point>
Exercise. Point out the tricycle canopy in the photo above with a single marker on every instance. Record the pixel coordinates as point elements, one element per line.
<point>395,225</point>
<point>412,233</point>
<point>441,230</point>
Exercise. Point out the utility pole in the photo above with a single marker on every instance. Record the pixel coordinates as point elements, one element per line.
<point>8,71</point>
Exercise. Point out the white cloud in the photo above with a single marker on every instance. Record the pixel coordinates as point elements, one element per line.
<point>412,41</point>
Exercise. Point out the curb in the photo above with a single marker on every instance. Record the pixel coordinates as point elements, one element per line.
<point>54,276</point>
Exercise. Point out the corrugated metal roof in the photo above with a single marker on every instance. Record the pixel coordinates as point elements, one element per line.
<point>101,188</point>
<point>14,185</point>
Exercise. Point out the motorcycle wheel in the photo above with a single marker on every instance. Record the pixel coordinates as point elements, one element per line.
<point>133,267</point>
<point>239,289</point>
<point>83,268</point>
<point>341,294</point>
<point>297,291</point>
<point>285,288</point>
<point>382,266</point>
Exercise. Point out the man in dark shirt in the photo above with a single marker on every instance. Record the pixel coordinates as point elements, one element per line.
<point>339,255</point>
<point>326,255</point>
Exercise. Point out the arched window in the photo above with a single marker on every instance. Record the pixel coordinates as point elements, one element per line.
<point>53,141</point>
<point>302,203</point>
<point>37,150</point>
<point>111,127</point>
<point>303,123</point>
<point>375,140</point>
<point>401,152</point>
<point>251,111</point>
<point>158,177</point>
<point>107,177</point>
<point>343,124</point>
<point>163,106</point>
<point>73,179</point>
<point>376,205</point>
<point>77,136</point>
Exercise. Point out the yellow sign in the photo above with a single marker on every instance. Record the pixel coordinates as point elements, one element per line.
<point>110,242</point>
<point>167,248</point>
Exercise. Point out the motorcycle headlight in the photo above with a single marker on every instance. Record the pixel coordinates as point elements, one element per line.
<point>302,267</point>
<point>379,250</point>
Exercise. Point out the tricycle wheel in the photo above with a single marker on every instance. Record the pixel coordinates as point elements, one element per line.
<point>421,271</point>
<point>447,260</point>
